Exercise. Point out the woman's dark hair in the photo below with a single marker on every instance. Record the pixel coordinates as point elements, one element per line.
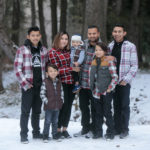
<point>103,46</point>
<point>35,28</point>
<point>51,65</point>
<point>57,39</point>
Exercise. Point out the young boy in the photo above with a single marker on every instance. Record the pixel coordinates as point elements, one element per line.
<point>29,66</point>
<point>103,78</point>
<point>77,57</point>
<point>51,96</point>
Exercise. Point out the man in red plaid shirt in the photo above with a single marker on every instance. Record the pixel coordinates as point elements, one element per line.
<point>29,67</point>
<point>127,65</point>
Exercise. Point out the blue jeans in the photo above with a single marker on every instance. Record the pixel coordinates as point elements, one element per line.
<point>51,117</point>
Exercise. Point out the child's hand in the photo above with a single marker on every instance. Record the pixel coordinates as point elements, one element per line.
<point>30,86</point>
<point>76,64</point>
<point>108,90</point>
<point>76,69</point>
<point>123,83</point>
<point>109,58</point>
<point>46,102</point>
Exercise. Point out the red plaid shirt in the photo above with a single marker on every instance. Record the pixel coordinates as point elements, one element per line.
<point>61,58</point>
<point>23,65</point>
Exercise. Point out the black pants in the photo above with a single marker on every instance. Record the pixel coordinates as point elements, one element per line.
<point>65,112</point>
<point>30,100</point>
<point>87,109</point>
<point>103,109</point>
<point>121,102</point>
<point>75,76</point>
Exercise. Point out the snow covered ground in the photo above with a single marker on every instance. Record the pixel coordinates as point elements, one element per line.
<point>139,138</point>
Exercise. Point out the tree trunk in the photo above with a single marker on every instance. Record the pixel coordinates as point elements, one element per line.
<point>16,21</point>
<point>33,14</point>
<point>54,17</point>
<point>41,20</point>
<point>96,14</point>
<point>84,9</point>
<point>118,7</point>
<point>63,17</point>
<point>6,45</point>
<point>1,69</point>
<point>134,30</point>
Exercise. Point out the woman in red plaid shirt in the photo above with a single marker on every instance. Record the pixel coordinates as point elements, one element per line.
<point>60,56</point>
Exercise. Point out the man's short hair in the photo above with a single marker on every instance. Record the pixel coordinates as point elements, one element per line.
<point>93,26</point>
<point>120,25</point>
<point>35,28</point>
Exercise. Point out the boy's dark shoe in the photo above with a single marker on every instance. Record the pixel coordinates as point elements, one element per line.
<point>97,136</point>
<point>84,131</point>
<point>124,134</point>
<point>116,132</point>
<point>57,136</point>
<point>109,136</point>
<point>45,138</point>
<point>24,140</point>
<point>65,134</point>
<point>76,88</point>
<point>37,136</point>
<point>81,133</point>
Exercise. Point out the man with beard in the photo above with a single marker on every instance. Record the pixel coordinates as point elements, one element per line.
<point>85,95</point>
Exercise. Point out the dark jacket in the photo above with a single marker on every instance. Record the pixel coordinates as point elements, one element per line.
<point>51,96</point>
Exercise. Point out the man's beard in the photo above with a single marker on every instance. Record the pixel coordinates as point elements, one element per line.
<point>95,41</point>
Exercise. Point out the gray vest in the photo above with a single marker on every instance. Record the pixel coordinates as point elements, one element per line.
<point>100,77</point>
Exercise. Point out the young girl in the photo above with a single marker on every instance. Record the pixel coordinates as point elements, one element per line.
<point>103,79</point>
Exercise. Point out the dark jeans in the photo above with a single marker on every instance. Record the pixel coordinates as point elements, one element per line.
<point>87,109</point>
<point>30,100</point>
<point>103,109</point>
<point>121,102</point>
<point>51,116</point>
<point>75,76</point>
<point>65,112</point>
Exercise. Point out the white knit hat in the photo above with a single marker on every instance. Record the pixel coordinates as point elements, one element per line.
<point>76,38</point>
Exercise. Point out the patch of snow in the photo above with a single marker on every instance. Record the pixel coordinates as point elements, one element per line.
<point>139,103</point>
<point>10,139</point>
<point>8,78</point>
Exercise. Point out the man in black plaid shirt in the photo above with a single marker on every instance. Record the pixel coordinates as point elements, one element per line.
<point>85,95</point>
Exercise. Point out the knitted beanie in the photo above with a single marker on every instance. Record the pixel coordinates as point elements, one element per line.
<point>76,38</point>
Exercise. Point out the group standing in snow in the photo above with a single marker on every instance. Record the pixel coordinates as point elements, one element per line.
<point>100,75</point>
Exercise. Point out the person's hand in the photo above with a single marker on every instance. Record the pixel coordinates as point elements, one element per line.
<point>30,86</point>
<point>108,90</point>
<point>76,69</point>
<point>76,64</point>
<point>123,83</point>
<point>109,58</point>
